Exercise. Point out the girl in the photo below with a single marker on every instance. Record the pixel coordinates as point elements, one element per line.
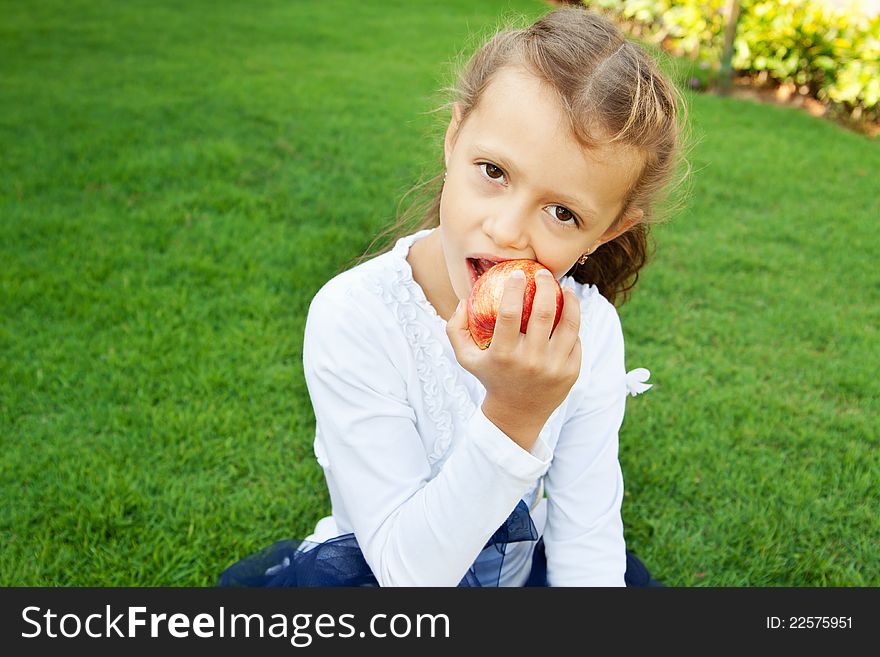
<point>449,465</point>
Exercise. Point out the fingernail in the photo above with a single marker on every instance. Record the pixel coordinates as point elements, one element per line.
<point>545,273</point>
<point>518,275</point>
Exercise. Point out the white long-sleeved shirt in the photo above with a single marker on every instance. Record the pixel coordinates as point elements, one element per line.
<point>418,473</point>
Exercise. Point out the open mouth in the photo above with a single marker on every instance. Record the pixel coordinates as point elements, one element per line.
<point>478,267</point>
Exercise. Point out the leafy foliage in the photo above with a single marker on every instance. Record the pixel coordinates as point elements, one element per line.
<point>829,52</point>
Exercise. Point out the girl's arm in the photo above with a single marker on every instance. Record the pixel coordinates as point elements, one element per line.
<point>413,530</point>
<point>584,533</point>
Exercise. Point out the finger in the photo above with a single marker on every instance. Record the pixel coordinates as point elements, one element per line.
<point>509,318</point>
<point>459,335</point>
<point>575,355</point>
<point>543,309</point>
<point>566,332</point>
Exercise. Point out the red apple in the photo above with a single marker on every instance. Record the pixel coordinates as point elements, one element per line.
<point>485,298</point>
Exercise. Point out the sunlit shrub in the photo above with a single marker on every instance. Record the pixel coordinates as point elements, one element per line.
<point>830,53</point>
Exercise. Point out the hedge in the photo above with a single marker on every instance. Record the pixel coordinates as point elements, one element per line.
<point>828,52</point>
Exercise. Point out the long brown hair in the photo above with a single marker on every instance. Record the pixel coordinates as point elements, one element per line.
<point>609,87</point>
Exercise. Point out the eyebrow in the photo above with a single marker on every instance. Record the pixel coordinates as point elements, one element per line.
<point>583,207</point>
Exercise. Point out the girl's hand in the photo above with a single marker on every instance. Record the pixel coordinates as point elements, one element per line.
<point>526,376</point>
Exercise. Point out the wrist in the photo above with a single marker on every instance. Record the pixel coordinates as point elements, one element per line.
<point>521,427</point>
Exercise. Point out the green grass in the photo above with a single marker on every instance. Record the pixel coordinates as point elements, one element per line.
<point>178,181</point>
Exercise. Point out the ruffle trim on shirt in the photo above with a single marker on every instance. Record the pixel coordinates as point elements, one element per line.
<point>444,394</point>
<point>635,381</point>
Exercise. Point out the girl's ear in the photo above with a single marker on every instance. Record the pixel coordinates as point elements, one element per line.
<point>452,131</point>
<point>630,219</point>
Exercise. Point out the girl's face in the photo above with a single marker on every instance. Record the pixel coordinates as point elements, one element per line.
<point>518,185</point>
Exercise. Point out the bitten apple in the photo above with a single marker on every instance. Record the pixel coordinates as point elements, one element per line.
<point>485,298</point>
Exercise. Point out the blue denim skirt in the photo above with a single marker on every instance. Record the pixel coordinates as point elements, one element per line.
<point>340,562</point>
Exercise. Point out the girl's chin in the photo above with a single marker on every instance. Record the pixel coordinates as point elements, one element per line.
<point>463,290</point>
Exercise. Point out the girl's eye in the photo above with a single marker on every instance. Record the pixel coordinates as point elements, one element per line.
<point>564,215</point>
<point>491,171</point>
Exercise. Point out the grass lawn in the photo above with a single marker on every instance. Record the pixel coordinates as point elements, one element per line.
<point>180,178</point>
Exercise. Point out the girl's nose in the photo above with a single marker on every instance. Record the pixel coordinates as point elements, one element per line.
<point>508,227</point>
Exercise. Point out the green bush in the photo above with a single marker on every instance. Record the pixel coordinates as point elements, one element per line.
<point>830,53</point>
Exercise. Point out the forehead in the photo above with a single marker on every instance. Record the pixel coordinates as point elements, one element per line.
<point>522,118</point>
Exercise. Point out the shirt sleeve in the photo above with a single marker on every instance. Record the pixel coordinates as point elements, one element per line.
<point>413,530</point>
<point>583,538</point>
